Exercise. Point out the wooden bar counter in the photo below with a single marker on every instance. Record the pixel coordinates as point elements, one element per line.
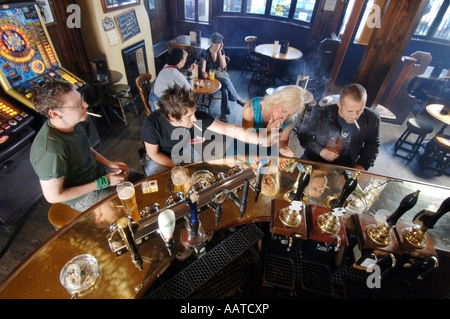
<point>38,276</point>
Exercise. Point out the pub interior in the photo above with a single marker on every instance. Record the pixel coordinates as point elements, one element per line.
<point>256,238</point>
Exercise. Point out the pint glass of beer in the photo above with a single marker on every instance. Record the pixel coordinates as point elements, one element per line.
<point>127,196</point>
<point>179,176</point>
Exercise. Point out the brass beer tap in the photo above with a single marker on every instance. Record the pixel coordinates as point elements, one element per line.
<point>380,233</point>
<point>424,220</point>
<point>329,222</point>
<point>290,216</point>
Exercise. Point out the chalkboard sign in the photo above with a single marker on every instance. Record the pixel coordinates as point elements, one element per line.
<point>128,25</point>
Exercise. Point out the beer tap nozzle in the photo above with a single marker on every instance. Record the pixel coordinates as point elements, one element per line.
<point>123,226</point>
<point>262,167</point>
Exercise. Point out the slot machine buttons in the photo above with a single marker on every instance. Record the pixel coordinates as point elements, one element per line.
<point>12,122</point>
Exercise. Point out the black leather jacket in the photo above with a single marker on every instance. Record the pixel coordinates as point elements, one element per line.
<point>323,122</point>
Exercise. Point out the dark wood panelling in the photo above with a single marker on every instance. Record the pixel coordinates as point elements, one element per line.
<point>387,45</point>
<point>160,21</point>
<point>67,41</point>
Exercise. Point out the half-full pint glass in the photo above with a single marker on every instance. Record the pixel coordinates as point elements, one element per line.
<point>127,196</point>
<point>179,176</point>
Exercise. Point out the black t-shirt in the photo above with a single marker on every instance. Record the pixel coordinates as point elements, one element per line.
<point>157,130</point>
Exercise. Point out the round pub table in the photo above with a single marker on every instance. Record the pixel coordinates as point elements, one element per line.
<point>437,111</point>
<point>206,87</point>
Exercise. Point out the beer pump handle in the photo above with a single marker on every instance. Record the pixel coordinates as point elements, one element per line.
<point>127,236</point>
<point>193,217</point>
<point>406,204</point>
<point>218,214</point>
<point>262,166</point>
<point>429,220</point>
<point>349,187</point>
<point>244,198</point>
<point>303,181</point>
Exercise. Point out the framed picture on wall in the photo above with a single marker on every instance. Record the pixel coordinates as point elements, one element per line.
<point>46,11</point>
<point>111,5</point>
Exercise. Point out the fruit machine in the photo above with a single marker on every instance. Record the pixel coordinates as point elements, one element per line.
<point>27,55</point>
<point>19,185</point>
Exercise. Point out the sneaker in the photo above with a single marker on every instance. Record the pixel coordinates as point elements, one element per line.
<point>241,102</point>
<point>223,119</point>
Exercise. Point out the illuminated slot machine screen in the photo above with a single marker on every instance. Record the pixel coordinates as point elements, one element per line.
<point>27,55</point>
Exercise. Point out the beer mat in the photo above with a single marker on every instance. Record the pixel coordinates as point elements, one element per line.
<point>149,187</point>
<point>290,166</point>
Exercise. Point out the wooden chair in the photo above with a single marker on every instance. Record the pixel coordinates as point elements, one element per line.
<point>144,86</point>
<point>249,62</point>
<point>302,81</point>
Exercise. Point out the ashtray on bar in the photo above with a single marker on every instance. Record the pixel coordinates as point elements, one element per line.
<point>80,275</point>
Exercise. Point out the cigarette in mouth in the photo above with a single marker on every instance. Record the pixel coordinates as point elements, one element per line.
<point>357,125</point>
<point>279,128</point>
<point>94,114</point>
<point>197,126</point>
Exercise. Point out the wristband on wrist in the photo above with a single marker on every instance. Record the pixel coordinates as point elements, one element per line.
<point>102,182</point>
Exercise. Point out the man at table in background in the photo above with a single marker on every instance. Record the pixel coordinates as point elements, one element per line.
<point>70,171</point>
<point>213,58</point>
<point>346,133</point>
<point>171,74</point>
<point>169,132</point>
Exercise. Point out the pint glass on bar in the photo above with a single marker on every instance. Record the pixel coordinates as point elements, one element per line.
<point>179,176</point>
<point>127,196</point>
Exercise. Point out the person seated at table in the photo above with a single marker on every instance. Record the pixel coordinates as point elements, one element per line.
<point>213,58</point>
<point>277,111</point>
<point>170,137</point>
<point>170,74</point>
<point>346,133</point>
<point>70,171</point>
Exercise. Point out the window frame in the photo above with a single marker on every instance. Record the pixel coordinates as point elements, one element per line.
<point>430,36</point>
<point>218,7</point>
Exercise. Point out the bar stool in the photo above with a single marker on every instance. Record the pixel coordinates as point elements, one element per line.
<point>118,92</point>
<point>437,154</point>
<point>414,126</point>
<point>61,214</point>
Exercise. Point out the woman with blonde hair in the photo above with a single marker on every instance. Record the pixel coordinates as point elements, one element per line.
<point>278,110</point>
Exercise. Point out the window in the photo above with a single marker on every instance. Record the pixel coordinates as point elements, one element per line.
<point>256,6</point>
<point>232,5</point>
<point>278,8</point>
<point>196,8</point>
<point>435,22</point>
<point>304,10</point>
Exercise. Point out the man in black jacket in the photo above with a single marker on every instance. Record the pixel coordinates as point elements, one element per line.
<point>346,133</point>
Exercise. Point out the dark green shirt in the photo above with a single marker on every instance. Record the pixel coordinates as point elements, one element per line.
<point>56,154</point>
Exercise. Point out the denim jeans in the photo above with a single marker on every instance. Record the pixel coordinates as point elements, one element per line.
<point>94,197</point>
<point>228,93</point>
<point>151,167</point>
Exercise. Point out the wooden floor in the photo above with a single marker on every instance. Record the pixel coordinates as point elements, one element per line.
<point>122,143</point>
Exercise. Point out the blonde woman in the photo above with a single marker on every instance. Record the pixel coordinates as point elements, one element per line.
<point>278,110</point>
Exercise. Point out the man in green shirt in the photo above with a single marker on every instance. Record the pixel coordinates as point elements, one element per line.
<point>69,169</point>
